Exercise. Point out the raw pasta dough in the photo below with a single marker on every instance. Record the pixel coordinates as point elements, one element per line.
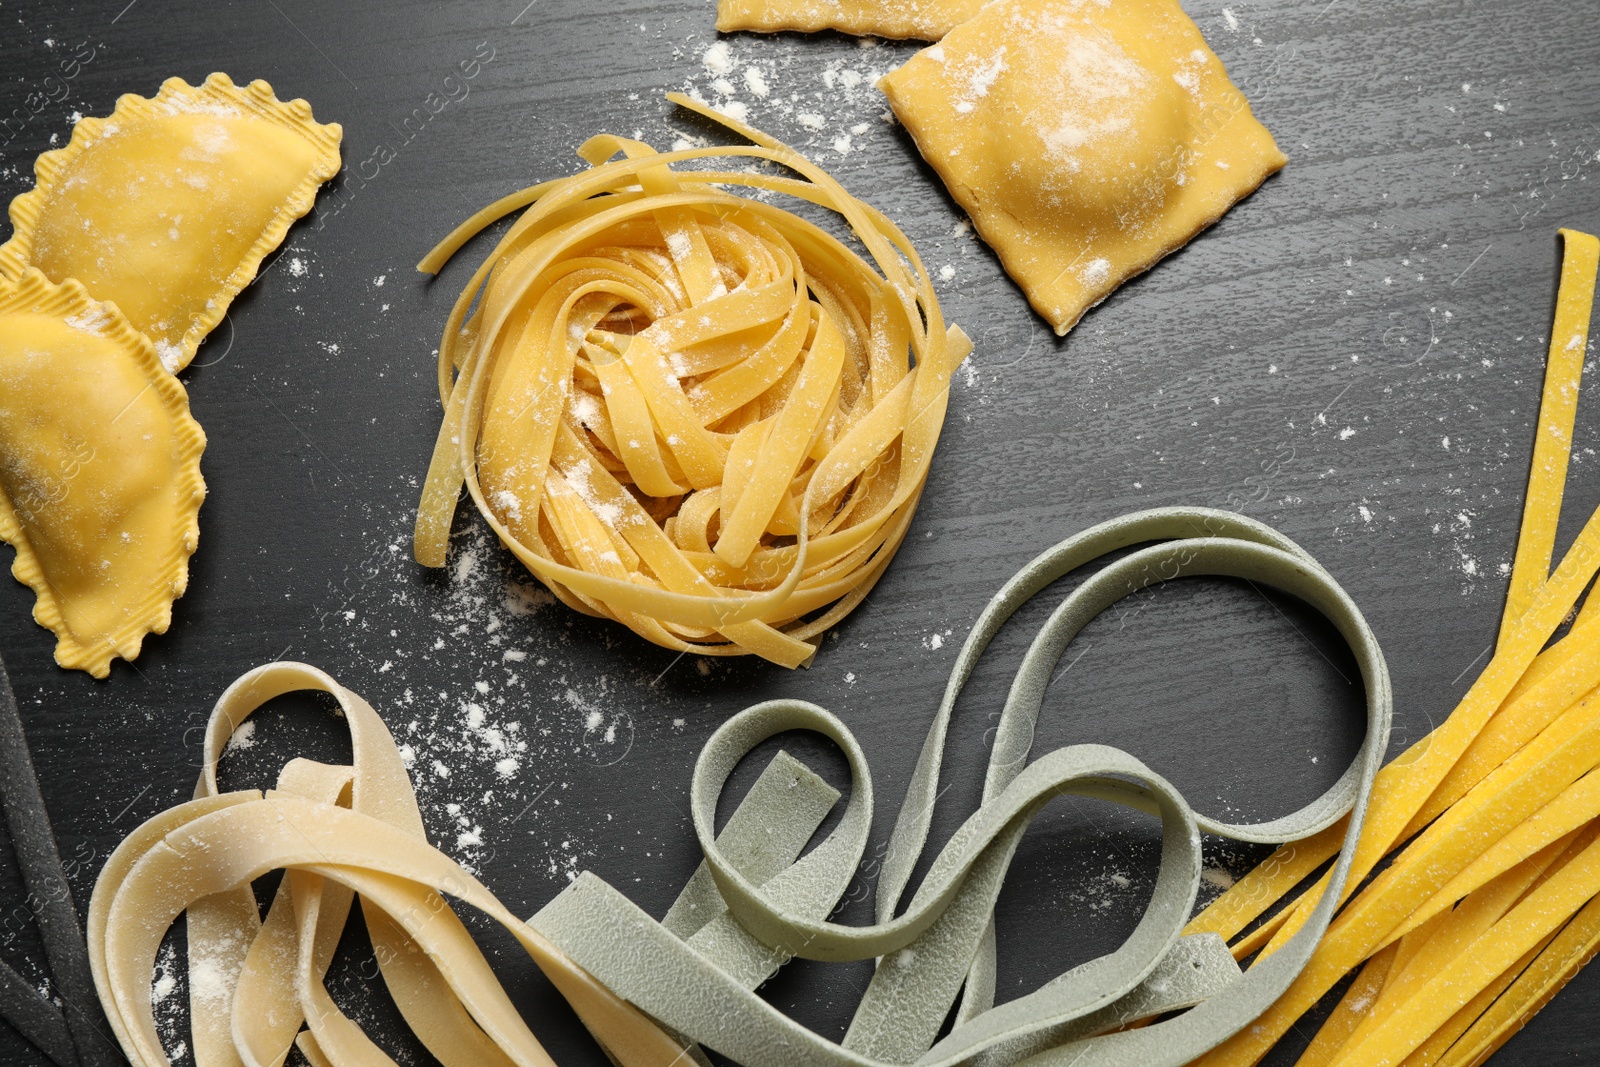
<point>100,467</point>
<point>167,207</point>
<point>1086,140</point>
<point>691,412</point>
<point>754,903</point>
<point>926,20</point>
<point>338,832</point>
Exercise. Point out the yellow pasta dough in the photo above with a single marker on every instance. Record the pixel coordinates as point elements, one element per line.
<point>100,471</point>
<point>925,20</point>
<point>168,206</point>
<point>1086,140</point>
<point>692,412</point>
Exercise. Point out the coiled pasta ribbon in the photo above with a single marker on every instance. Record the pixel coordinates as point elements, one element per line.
<point>692,412</point>
<point>650,991</point>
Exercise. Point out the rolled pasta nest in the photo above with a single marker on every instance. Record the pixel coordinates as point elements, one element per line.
<point>686,410</point>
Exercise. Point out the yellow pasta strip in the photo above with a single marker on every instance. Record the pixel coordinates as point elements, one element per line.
<point>1475,967</point>
<point>1520,719</point>
<point>1527,710</point>
<point>797,425</point>
<point>1439,1043</point>
<point>1354,1006</point>
<point>338,832</point>
<point>1577,805</point>
<point>1441,853</point>
<point>1258,890</point>
<point>1535,983</point>
<point>1437,940</point>
<point>1541,507</point>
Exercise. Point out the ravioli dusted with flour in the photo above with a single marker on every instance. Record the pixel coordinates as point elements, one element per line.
<point>100,484</point>
<point>1087,140</point>
<point>168,207</point>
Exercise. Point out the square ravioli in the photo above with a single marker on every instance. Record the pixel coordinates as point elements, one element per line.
<point>1086,138</point>
<point>923,20</point>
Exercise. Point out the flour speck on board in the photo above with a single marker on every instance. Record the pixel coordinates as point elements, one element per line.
<point>718,59</point>
<point>795,93</point>
<point>169,1002</point>
<point>243,738</point>
<point>490,754</point>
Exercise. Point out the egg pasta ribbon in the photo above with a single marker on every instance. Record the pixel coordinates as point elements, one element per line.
<point>653,993</point>
<point>689,411</point>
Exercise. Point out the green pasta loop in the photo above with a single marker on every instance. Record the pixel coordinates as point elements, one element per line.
<point>756,902</point>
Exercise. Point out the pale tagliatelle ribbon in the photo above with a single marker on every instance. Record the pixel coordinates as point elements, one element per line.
<point>649,991</point>
<point>695,413</point>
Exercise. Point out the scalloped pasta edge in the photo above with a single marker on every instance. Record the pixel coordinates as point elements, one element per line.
<point>256,98</point>
<point>891,24</point>
<point>34,292</point>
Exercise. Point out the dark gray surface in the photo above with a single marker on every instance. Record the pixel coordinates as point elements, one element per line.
<point>1304,361</point>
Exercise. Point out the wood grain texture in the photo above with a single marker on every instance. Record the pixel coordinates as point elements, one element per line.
<point>1353,354</point>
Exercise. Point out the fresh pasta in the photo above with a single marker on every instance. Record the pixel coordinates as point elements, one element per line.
<point>691,412</point>
<point>1087,141</point>
<point>167,206</point>
<point>100,486</point>
<point>653,992</point>
<point>1492,899</point>
<point>338,831</point>
<point>926,20</point>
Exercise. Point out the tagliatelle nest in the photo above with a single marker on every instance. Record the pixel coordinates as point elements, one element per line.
<point>687,410</point>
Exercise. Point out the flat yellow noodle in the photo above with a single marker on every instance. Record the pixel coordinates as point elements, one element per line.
<point>100,485</point>
<point>924,20</point>
<point>1433,943</point>
<point>1558,410</point>
<point>1476,966</point>
<point>1539,979</point>
<point>1352,1008</point>
<point>1570,665</point>
<point>691,412</point>
<point>168,206</point>
<point>1435,1049</point>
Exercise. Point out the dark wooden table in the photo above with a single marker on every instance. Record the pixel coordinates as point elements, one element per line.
<point>1354,354</point>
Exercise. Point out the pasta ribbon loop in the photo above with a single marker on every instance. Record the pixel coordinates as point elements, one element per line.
<point>652,992</point>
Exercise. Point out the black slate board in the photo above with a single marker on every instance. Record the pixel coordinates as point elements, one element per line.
<point>1304,361</point>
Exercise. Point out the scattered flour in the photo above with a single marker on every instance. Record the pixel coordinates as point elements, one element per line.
<point>243,738</point>
<point>1096,272</point>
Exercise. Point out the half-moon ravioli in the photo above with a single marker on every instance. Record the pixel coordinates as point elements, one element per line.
<point>168,206</point>
<point>924,20</point>
<point>100,484</point>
